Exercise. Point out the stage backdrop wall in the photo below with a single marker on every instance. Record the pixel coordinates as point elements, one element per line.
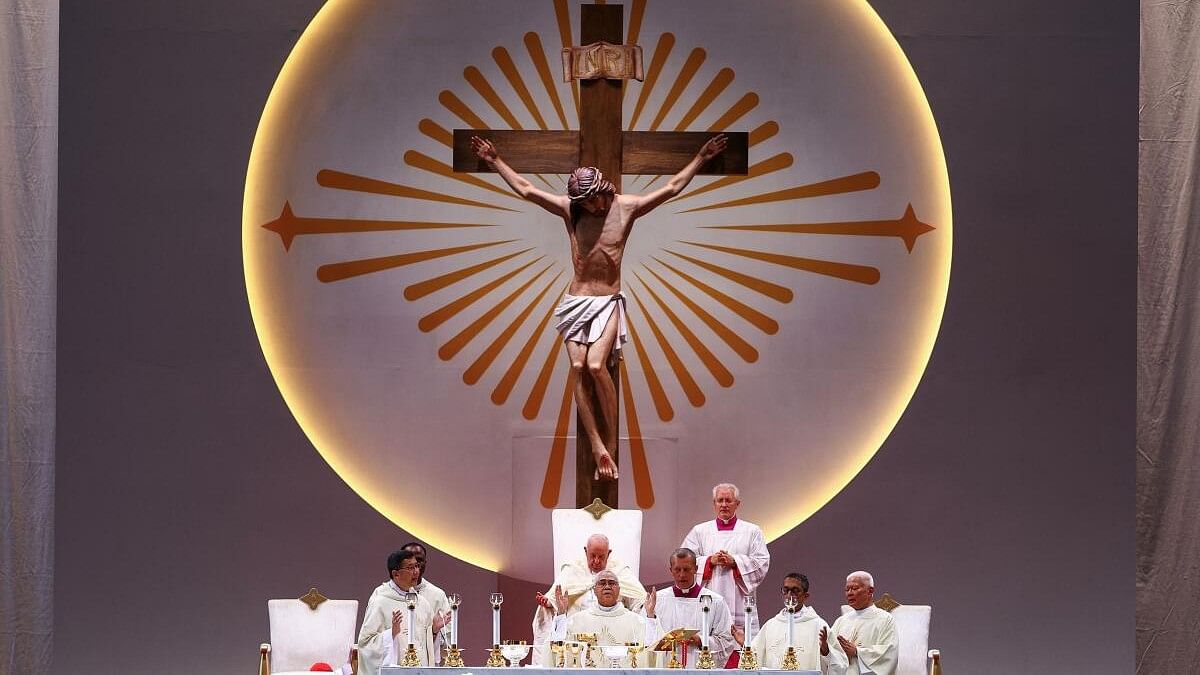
<point>188,494</point>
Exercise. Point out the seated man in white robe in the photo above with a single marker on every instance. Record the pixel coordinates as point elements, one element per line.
<point>866,639</point>
<point>608,620</point>
<point>679,606</point>
<point>385,635</point>
<point>435,596</point>
<point>732,553</point>
<point>576,579</point>
<point>810,633</point>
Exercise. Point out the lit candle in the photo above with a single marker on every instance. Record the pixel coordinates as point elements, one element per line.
<point>455,600</point>
<point>706,605</point>
<point>749,611</point>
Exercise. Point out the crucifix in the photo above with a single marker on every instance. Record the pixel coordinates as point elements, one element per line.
<point>601,143</point>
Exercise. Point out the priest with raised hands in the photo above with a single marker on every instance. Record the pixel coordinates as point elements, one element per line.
<point>608,619</point>
<point>385,633</point>
<point>864,638</point>
<point>810,633</point>
<point>681,606</point>
<point>732,553</point>
<point>576,581</point>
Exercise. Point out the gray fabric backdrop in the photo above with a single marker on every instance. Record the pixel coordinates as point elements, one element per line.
<point>28,257</point>
<point>1168,433</point>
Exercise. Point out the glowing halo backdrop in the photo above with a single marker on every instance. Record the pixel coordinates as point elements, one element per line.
<point>780,321</point>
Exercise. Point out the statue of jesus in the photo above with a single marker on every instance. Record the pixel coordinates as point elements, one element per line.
<point>591,316</point>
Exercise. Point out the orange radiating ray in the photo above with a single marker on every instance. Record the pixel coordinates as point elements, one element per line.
<point>690,389</point>
<point>719,372</point>
<point>288,226</point>
<point>552,482</point>
<point>564,33</point>
<point>652,181</point>
<point>693,63</point>
<point>505,386</point>
<point>455,105</point>
<point>484,88</point>
<point>662,405</point>
<point>354,268</point>
<point>445,313</point>
<point>348,181</point>
<point>533,45</point>
<point>858,273</point>
<point>533,402</point>
<point>436,132</point>
<point>421,289</point>
<point>771,290</point>
<point>477,81</point>
<point>777,163</point>
<point>762,132</point>
<point>744,105</point>
<point>907,227</point>
<point>759,320</point>
<point>661,51</point>
<point>642,486</point>
<point>502,58</point>
<point>743,349</point>
<point>424,162</point>
<point>464,337</point>
<point>722,80</point>
<point>481,364</point>
<point>631,35</point>
<point>867,180</point>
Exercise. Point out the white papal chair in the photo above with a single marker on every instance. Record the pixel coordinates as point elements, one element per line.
<point>572,527</point>
<point>912,628</point>
<point>311,629</point>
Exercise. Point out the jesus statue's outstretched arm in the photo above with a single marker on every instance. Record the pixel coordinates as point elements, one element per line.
<point>559,205</point>
<point>647,202</point>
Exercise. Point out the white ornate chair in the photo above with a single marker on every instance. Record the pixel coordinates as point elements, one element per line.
<point>912,628</point>
<point>309,630</point>
<point>572,527</point>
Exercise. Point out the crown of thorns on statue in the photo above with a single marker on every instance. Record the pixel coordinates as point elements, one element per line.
<point>587,181</point>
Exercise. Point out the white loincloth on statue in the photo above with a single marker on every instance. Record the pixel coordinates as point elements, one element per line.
<point>582,318</point>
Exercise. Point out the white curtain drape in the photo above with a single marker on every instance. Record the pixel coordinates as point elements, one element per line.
<point>1168,359</point>
<point>28,259</point>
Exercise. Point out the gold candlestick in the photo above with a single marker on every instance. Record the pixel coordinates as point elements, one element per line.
<point>495,659</point>
<point>410,660</point>
<point>748,660</point>
<point>453,657</point>
<point>635,648</point>
<point>705,662</point>
<point>789,660</point>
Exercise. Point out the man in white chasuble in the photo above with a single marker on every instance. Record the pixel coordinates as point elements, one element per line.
<point>608,620</point>
<point>576,579</point>
<point>681,606</point>
<point>385,633</point>
<point>809,632</point>
<point>434,595</point>
<point>865,639</point>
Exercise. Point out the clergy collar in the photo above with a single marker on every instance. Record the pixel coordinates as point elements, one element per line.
<point>400,591</point>
<point>692,592</point>
<point>726,525</point>
<point>864,610</point>
<point>601,609</point>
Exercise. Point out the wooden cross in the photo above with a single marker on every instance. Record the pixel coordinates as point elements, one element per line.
<point>601,143</point>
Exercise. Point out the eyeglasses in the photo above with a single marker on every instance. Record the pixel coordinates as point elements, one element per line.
<point>410,568</point>
<point>607,582</point>
<point>792,590</point>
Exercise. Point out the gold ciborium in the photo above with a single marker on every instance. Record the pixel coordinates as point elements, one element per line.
<point>635,648</point>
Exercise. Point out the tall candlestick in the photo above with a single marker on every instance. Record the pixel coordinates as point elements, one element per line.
<point>791,618</point>
<point>411,599</point>
<point>749,611</point>
<point>455,600</point>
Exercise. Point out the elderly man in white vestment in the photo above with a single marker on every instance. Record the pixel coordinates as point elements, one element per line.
<point>866,639</point>
<point>576,580</point>
<point>608,620</point>
<point>434,595</point>
<point>810,633</point>
<point>733,555</point>
<point>385,635</point>
<point>679,606</point>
